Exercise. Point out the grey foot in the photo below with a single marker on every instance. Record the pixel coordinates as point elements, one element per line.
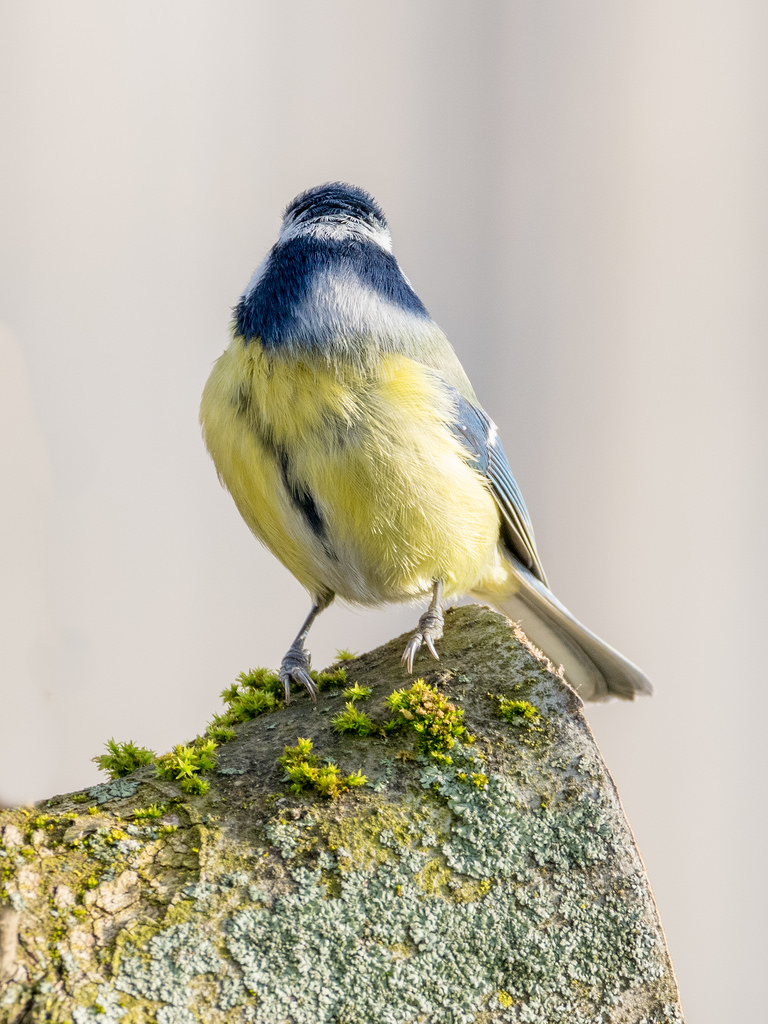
<point>430,629</point>
<point>295,668</point>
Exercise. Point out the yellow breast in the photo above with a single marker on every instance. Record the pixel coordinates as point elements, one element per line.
<point>350,476</point>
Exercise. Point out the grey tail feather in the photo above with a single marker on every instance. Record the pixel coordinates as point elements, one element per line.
<point>594,669</point>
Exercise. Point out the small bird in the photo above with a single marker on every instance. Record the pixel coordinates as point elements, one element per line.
<point>349,436</point>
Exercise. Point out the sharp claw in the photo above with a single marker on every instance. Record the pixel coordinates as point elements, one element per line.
<point>411,649</point>
<point>430,629</point>
<point>295,668</point>
<point>287,676</point>
<point>306,679</point>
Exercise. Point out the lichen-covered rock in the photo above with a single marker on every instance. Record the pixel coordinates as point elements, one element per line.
<point>483,873</point>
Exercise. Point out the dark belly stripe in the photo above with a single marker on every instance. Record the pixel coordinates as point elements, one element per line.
<point>301,497</point>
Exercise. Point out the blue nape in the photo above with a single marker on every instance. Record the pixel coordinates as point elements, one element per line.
<point>271,311</point>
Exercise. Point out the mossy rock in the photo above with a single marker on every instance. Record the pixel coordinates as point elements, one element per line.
<point>494,879</point>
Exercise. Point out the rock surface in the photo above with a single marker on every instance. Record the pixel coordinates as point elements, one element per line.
<point>492,878</point>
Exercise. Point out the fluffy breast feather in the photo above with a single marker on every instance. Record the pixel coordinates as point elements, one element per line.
<point>366,452</point>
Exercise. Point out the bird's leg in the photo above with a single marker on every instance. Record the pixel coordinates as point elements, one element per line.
<point>430,629</point>
<point>296,663</point>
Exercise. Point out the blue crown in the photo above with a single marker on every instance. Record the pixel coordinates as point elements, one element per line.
<point>335,201</point>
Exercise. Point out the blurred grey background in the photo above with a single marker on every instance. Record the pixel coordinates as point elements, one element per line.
<point>578,193</point>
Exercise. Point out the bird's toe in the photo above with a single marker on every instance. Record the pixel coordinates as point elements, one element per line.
<point>295,668</point>
<point>430,629</point>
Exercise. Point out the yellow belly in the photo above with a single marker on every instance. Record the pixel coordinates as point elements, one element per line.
<point>398,506</point>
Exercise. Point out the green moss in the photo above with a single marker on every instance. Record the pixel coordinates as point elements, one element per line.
<point>254,694</point>
<point>352,720</point>
<point>249,704</point>
<point>219,731</point>
<point>436,722</point>
<point>186,763</point>
<point>357,692</point>
<point>529,724</point>
<point>305,772</point>
<point>344,655</point>
<point>518,712</point>
<point>330,679</point>
<point>123,759</point>
<point>148,813</point>
<point>261,679</point>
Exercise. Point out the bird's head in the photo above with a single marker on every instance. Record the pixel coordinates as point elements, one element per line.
<point>336,211</point>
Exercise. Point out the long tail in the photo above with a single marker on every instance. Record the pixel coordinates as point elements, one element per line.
<point>595,670</point>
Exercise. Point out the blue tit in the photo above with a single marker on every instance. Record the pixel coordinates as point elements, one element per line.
<point>349,436</point>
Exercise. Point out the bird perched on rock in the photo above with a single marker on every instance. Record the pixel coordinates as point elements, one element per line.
<point>346,430</point>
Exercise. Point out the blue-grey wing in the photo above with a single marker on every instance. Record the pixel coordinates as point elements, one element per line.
<point>479,436</point>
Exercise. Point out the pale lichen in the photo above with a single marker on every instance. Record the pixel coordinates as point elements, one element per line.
<point>497,882</point>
